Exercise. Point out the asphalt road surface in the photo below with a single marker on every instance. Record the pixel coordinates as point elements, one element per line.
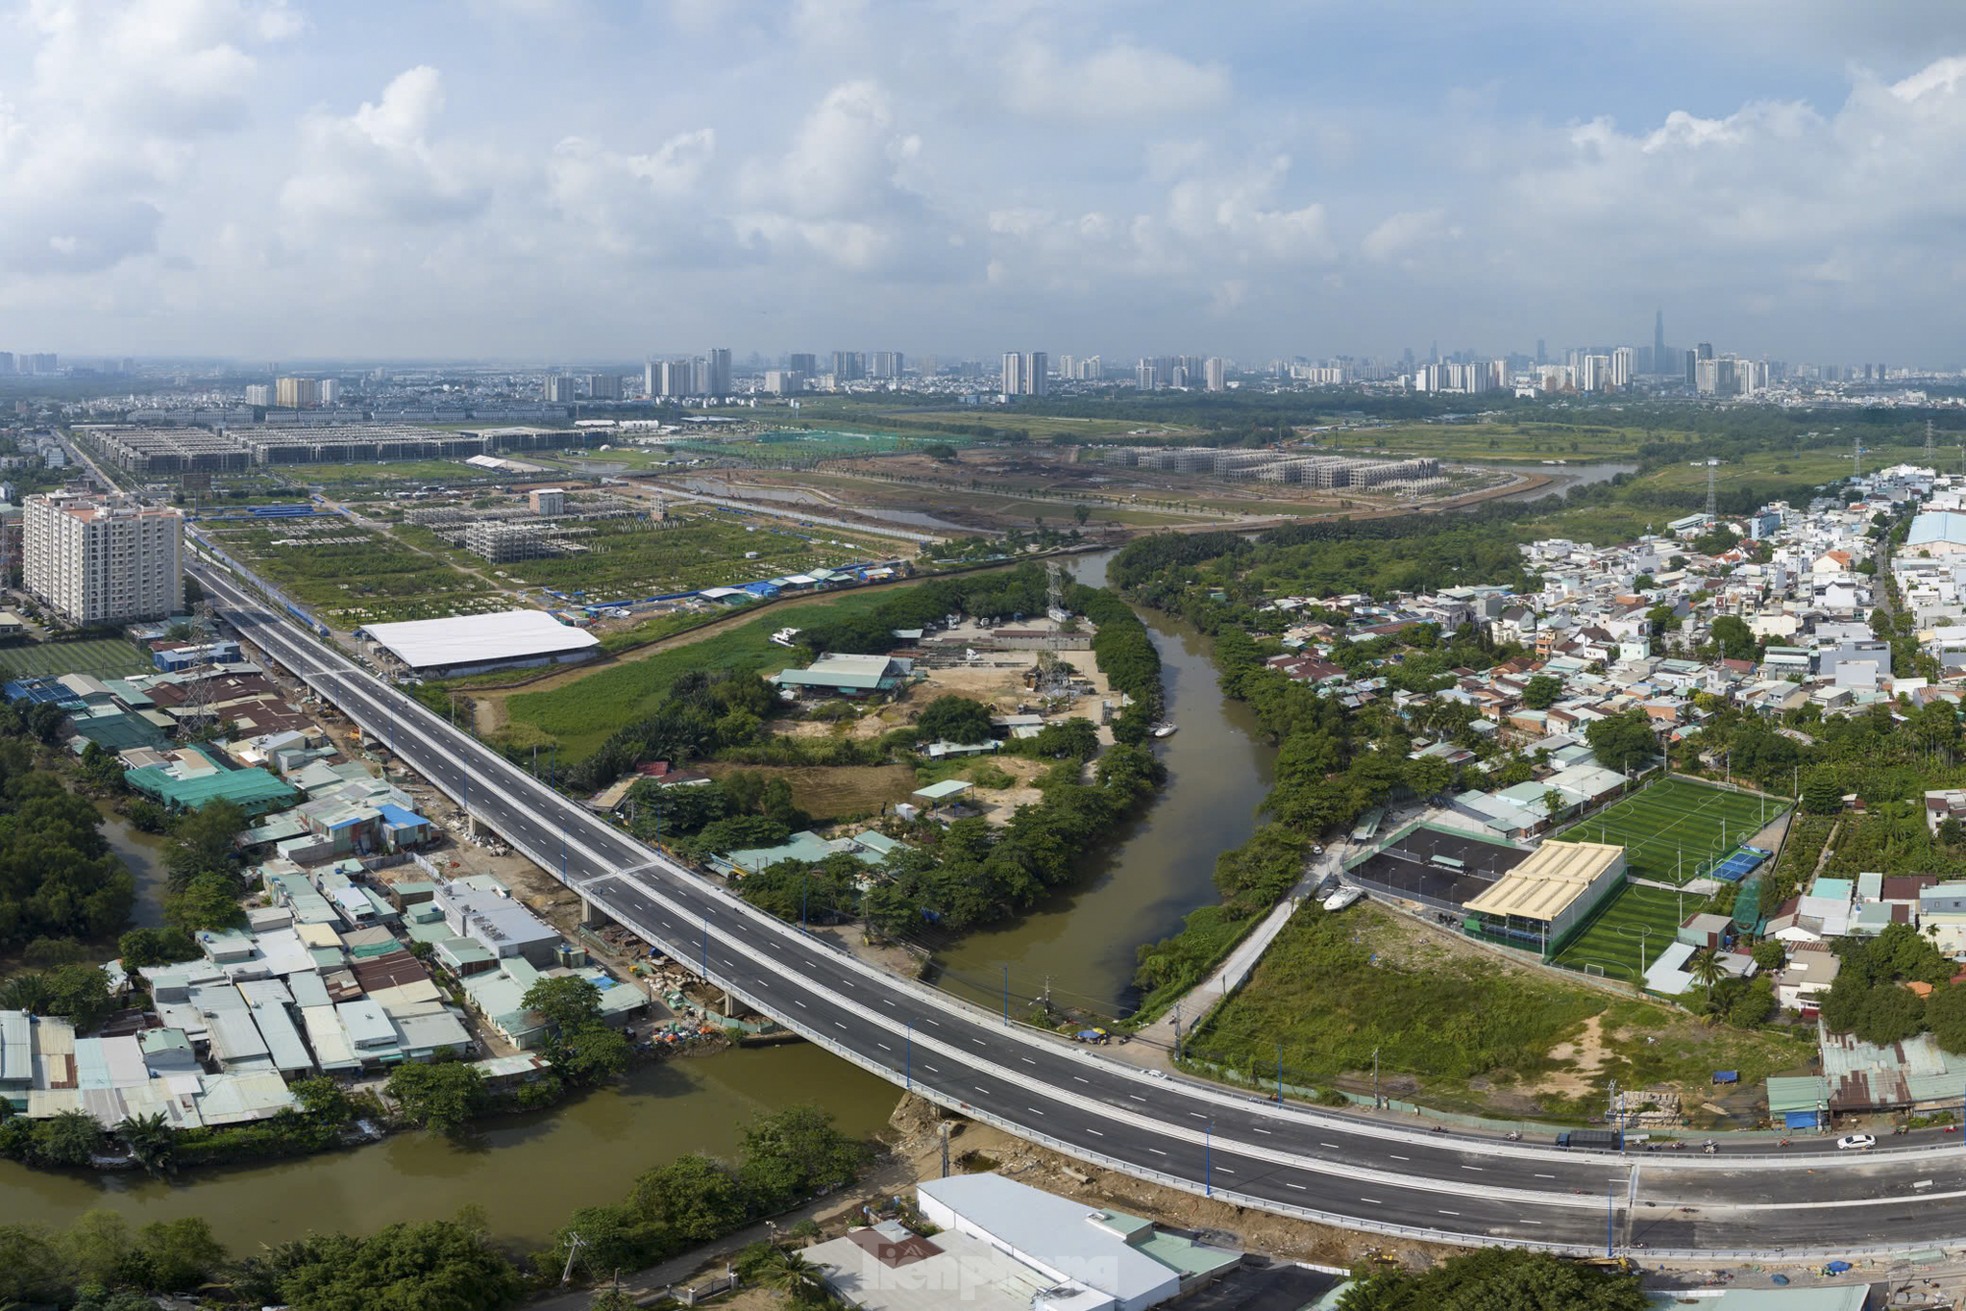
<point>1354,1170</point>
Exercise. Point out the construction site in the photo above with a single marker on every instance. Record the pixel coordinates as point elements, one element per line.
<point>1332,471</point>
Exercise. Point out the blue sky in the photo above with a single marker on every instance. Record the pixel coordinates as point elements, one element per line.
<point>570,180</point>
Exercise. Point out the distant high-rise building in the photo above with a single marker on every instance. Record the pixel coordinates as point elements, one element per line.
<point>1705,350</point>
<point>1692,368</point>
<point>557,389</point>
<point>1037,373</point>
<point>1624,363</point>
<point>603,387</point>
<point>297,393</point>
<point>1013,374</point>
<point>103,559</point>
<point>804,364</point>
<point>717,381</point>
<point>784,382</point>
<point>330,391</point>
<point>884,364</point>
<point>1216,373</point>
<point>849,366</point>
<point>42,363</point>
<point>1146,376</point>
<point>6,363</point>
<point>1542,353</point>
<point>677,378</point>
<point>259,394</point>
<point>650,386</point>
<point>1659,340</point>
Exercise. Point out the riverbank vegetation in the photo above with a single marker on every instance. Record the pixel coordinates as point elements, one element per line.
<point>101,1263</point>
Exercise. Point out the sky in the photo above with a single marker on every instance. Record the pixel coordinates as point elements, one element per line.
<point>604,180</point>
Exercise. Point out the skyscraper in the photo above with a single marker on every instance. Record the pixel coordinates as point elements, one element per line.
<point>1216,373</point>
<point>718,383</point>
<point>1659,341</point>
<point>554,389</point>
<point>805,364</point>
<point>297,393</point>
<point>603,387</point>
<point>1013,374</point>
<point>1037,373</point>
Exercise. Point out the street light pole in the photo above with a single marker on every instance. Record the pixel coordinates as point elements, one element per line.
<point>908,1057</point>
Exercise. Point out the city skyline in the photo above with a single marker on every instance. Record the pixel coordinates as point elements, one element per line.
<point>563,180</point>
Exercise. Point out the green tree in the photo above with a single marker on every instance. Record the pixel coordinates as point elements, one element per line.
<point>143,948</point>
<point>33,1269</point>
<point>178,1255</point>
<point>151,1140</point>
<point>693,1197</point>
<point>797,1277</point>
<point>1623,742</point>
<point>952,718</point>
<point>443,1096</point>
<point>1541,692</point>
<point>98,1249</point>
<point>67,1138</point>
<point>567,1003</point>
<point>1493,1279</point>
<point>202,842</point>
<point>1706,970</point>
<point>794,1153</point>
<point>1821,793</point>
<point>593,1054</point>
<point>1945,1016</point>
<point>442,1265</point>
<point>206,901</point>
<point>1428,776</point>
<point>1734,638</point>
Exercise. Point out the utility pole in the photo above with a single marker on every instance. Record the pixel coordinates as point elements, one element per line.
<point>1376,1103</point>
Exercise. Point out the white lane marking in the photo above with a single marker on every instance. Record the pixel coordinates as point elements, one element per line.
<point>1095,1133</point>
<point>1546,1176</point>
<point>1137,1099</point>
<point>1034,1110</point>
<point>838,1025</point>
<point>797,1002</point>
<point>1397,1157</point>
<point>1027,1060</point>
<point>930,1068</point>
<point>1333,1146</point>
<point>884,1047</point>
<point>1157,1151</point>
<point>1259,1128</point>
<point>1471,1167</point>
<point>1082,1080</point>
<point>1443,1212</point>
<point>1221,1169</point>
<point>1532,1222</point>
<point>1198,1115</point>
<point>984,1091</point>
<point>930,1019</point>
<point>1299,1187</point>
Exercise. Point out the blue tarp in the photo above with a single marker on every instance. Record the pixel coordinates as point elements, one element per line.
<point>1802,1120</point>
<point>1726,1076</point>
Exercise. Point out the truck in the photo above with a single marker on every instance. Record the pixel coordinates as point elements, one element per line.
<point>1602,1140</point>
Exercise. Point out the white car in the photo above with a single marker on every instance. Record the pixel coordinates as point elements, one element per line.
<point>1856,1142</point>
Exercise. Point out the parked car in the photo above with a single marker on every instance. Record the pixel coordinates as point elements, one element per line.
<point>1859,1142</point>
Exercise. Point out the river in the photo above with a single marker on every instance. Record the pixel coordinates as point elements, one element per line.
<point>530,1172</point>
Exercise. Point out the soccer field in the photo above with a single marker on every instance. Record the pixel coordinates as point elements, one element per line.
<point>105,657</point>
<point>1674,829</point>
<point>1635,919</point>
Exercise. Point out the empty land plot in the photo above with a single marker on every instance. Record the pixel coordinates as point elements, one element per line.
<point>581,714</point>
<point>1637,919</point>
<point>352,576</point>
<point>1672,829</point>
<point>105,657</point>
<point>626,559</point>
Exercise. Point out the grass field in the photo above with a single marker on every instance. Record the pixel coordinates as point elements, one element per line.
<point>105,657</point>
<point>630,558</point>
<point>1770,469</point>
<point>582,714</point>
<point>353,576</point>
<point>1637,920</point>
<point>1464,1030</point>
<point>1673,828</point>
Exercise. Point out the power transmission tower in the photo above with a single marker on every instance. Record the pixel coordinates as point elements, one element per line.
<point>202,691</point>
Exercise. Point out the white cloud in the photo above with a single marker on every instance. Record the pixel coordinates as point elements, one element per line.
<point>1401,234</point>
<point>382,165</point>
<point>1123,83</point>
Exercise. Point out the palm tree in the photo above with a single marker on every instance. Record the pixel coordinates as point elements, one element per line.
<point>1706,969</point>
<point>797,1276</point>
<point>151,1139</point>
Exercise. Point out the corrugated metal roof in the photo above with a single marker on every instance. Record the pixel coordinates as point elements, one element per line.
<point>1543,886</point>
<point>479,639</point>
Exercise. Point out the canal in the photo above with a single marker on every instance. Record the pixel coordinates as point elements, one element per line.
<point>528,1173</point>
